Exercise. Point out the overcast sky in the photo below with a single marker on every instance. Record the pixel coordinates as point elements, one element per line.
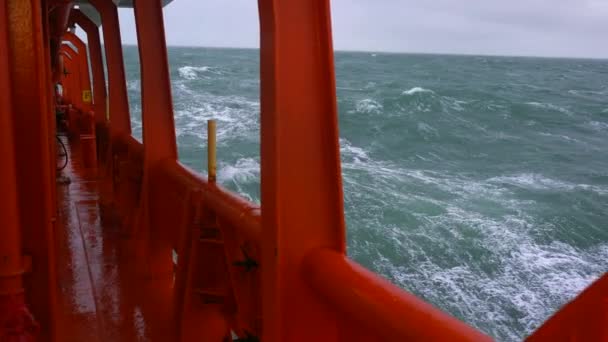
<point>577,28</point>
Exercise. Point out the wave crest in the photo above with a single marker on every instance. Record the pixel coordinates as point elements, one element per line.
<point>192,72</point>
<point>417,90</point>
<point>368,106</point>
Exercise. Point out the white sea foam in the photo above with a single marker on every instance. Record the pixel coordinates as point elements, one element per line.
<point>134,85</point>
<point>368,106</point>
<point>348,151</point>
<point>539,182</point>
<point>192,72</point>
<point>427,130</point>
<point>243,171</point>
<point>550,106</point>
<point>598,126</point>
<point>416,90</point>
<point>499,276</point>
<point>563,137</point>
<point>527,278</point>
<point>588,92</point>
<point>238,117</point>
<point>241,175</point>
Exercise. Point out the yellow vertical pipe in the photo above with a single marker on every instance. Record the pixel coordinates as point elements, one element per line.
<point>211,155</point>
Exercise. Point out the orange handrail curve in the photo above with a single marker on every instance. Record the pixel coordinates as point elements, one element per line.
<point>374,303</point>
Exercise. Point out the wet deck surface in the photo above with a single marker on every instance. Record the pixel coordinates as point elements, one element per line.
<point>101,294</point>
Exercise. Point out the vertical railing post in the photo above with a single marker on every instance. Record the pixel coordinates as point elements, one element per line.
<point>158,126</point>
<point>11,262</point>
<point>99,83</point>
<point>86,121</point>
<point>99,80</point>
<point>74,76</point>
<point>83,66</point>
<point>302,204</point>
<point>72,79</point>
<point>65,81</point>
<point>117,88</point>
<point>30,82</point>
<point>211,151</point>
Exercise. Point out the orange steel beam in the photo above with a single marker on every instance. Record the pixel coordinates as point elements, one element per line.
<point>99,78</point>
<point>30,84</point>
<point>51,101</point>
<point>11,267</point>
<point>74,76</point>
<point>83,65</point>
<point>376,306</point>
<point>302,202</point>
<point>57,13</point>
<point>119,104</point>
<point>158,125</point>
<point>66,64</point>
<point>86,120</point>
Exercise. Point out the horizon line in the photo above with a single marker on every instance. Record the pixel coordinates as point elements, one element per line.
<point>396,52</point>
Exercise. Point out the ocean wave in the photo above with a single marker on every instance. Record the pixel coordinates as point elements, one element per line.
<point>549,106</point>
<point>417,90</point>
<point>368,106</point>
<point>134,85</point>
<point>192,72</point>
<point>350,89</point>
<point>245,170</point>
<point>487,268</point>
<point>352,153</point>
<point>563,137</point>
<point>597,126</point>
<point>534,181</point>
<point>427,131</point>
<point>238,117</point>
<point>514,279</point>
<point>588,92</point>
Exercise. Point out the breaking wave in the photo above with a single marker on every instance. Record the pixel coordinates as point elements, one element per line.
<point>416,90</point>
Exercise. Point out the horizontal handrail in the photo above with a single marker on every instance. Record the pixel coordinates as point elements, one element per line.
<point>242,214</point>
<point>378,305</point>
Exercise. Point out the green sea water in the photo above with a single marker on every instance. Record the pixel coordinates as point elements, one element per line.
<point>478,183</point>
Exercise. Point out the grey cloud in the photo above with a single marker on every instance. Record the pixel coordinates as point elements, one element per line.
<point>576,28</point>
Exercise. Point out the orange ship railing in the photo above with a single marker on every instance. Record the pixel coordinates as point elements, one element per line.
<point>276,273</point>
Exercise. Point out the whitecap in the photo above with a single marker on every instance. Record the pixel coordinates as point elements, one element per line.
<point>598,125</point>
<point>245,170</point>
<point>549,106</point>
<point>237,117</point>
<point>133,85</point>
<point>528,278</point>
<point>563,137</point>
<point>416,90</point>
<point>192,72</point>
<point>539,182</point>
<point>368,106</point>
<point>427,130</point>
<point>351,152</point>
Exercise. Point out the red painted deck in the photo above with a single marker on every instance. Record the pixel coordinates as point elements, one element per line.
<point>102,297</point>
